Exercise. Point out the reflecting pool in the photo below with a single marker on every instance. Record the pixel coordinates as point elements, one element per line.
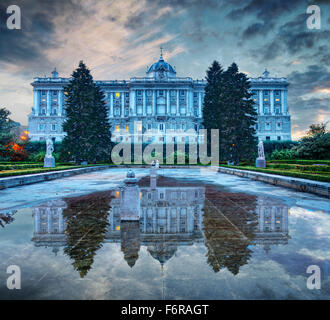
<point>184,234</point>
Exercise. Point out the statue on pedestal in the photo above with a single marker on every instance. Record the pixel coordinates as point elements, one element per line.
<point>49,160</point>
<point>261,160</point>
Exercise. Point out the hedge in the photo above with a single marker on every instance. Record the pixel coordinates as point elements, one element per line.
<point>40,170</point>
<point>316,177</point>
<point>308,162</point>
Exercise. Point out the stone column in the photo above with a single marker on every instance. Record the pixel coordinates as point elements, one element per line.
<point>60,102</point>
<point>283,102</point>
<point>261,103</point>
<point>36,220</point>
<point>122,104</point>
<point>48,102</point>
<point>49,221</point>
<point>272,111</point>
<point>178,215</point>
<point>154,219</point>
<point>145,220</point>
<point>154,103</point>
<point>60,221</point>
<point>36,95</point>
<point>168,111</point>
<point>191,102</point>
<point>132,102</point>
<point>168,218</point>
<point>273,222</point>
<point>261,210</point>
<point>200,104</point>
<point>144,111</point>
<point>177,103</point>
<point>111,104</point>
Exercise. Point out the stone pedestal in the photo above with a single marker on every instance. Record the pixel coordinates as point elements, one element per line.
<point>49,162</point>
<point>261,163</point>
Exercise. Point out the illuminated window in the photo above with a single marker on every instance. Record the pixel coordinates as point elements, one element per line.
<point>118,228</point>
<point>139,127</point>
<point>117,128</point>
<point>117,194</point>
<point>126,128</point>
<point>277,99</point>
<point>117,95</point>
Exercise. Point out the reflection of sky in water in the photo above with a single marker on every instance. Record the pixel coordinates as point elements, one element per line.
<point>271,261</point>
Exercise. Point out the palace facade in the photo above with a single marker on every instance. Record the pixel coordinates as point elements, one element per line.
<point>150,107</point>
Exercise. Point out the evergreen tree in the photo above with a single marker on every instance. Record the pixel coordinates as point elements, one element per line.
<point>6,134</point>
<point>213,105</point>
<point>87,126</point>
<point>239,116</point>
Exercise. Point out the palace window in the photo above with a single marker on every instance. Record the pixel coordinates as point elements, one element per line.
<point>161,127</point>
<point>41,127</point>
<point>53,127</point>
<point>149,126</point>
<point>117,128</point>
<point>279,125</point>
<point>139,92</point>
<point>161,92</point>
<point>278,138</point>
<point>182,92</point>
<point>117,95</point>
<point>267,138</point>
<point>267,126</point>
<point>126,94</point>
<point>127,128</point>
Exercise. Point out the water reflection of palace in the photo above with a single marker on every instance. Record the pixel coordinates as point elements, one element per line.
<point>161,214</point>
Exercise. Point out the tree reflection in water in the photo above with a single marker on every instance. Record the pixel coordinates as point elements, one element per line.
<point>229,224</point>
<point>86,225</point>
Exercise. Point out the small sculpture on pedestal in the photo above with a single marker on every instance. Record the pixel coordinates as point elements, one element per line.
<point>49,160</point>
<point>261,160</point>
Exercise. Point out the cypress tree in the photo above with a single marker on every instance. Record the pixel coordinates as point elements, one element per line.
<point>87,125</point>
<point>239,117</point>
<point>213,103</point>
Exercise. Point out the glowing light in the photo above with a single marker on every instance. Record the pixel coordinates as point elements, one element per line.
<point>117,94</point>
<point>117,194</point>
<point>117,128</point>
<point>26,132</point>
<point>118,228</point>
<point>23,137</point>
<point>127,128</point>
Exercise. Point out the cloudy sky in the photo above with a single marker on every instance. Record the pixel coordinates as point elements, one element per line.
<point>118,39</point>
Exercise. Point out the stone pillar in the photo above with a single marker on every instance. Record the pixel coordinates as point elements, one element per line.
<point>178,215</point>
<point>272,111</point>
<point>122,104</point>
<point>154,220</point>
<point>177,102</point>
<point>261,218</point>
<point>60,221</point>
<point>48,102</point>
<point>132,102</point>
<point>49,221</point>
<point>36,95</point>
<point>154,103</point>
<point>144,111</point>
<point>36,220</point>
<point>168,220</point>
<point>111,104</point>
<point>261,103</point>
<point>283,102</point>
<point>273,222</point>
<point>60,102</point>
<point>191,102</point>
<point>200,104</point>
<point>145,220</point>
<point>168,111</point>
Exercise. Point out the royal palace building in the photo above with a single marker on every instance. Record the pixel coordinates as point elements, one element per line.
<point>149,108</point>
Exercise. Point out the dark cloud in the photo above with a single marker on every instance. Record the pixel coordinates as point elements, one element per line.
<point>19,47</point>
<point>293,37</point>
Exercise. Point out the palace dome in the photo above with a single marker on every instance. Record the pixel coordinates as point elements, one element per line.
<point>162,66</point>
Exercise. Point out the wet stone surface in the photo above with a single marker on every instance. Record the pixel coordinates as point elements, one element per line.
<point>200,235</point>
